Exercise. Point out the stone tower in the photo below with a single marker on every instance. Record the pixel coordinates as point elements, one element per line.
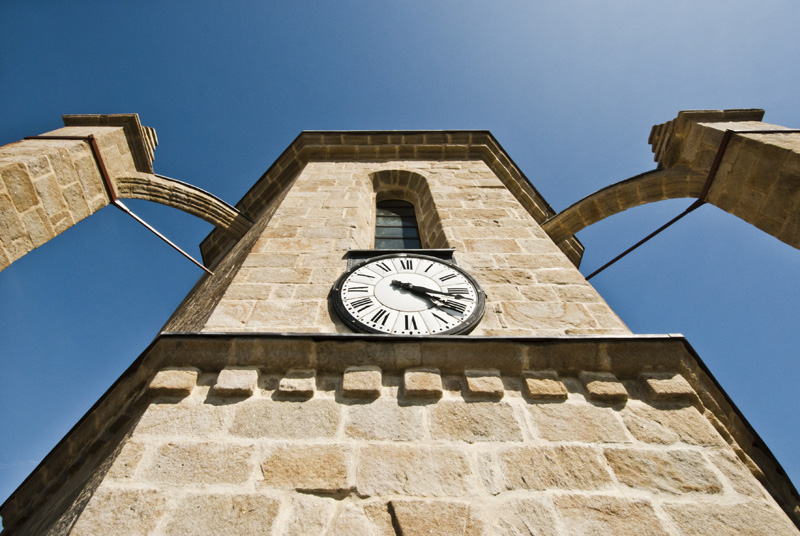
<point>266,407</point>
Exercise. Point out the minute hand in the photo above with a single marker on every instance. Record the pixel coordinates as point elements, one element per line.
<point>426,290</point>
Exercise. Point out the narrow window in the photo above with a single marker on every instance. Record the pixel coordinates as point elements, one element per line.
<point>396,226</point>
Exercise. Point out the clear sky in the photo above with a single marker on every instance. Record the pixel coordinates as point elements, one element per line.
<point>569,88</point>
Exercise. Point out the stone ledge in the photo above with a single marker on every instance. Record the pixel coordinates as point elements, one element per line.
<point>627,357</point>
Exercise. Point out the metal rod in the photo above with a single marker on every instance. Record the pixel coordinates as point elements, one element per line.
<point>117,203</point>
<point>112,193</point>
<point>701,199</point>
<point>691,208</point>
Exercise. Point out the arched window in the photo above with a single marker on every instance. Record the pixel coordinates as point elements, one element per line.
<point>396,226</point>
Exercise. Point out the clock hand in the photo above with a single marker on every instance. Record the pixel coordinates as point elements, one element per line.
<point>413,288</point>
<point>436,300</point>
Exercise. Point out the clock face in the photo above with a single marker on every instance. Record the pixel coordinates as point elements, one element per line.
<point>408,294</point>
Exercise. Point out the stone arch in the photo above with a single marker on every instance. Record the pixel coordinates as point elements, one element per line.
<point>656,185</point>
<point>412,187</point>
<point>185,197</point>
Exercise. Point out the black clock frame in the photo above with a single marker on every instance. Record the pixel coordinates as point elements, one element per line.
<point>353,323</point>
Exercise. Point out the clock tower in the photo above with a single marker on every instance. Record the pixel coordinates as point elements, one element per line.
<point>393,344</point>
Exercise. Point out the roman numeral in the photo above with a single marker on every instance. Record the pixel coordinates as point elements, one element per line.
<point>383,313</point>
<point>413,322</point>
<point>455,306</point>
<point>361,304</point>
<point>364,274</point>
<point>446,277</point>
<point>363,288</point>
<point>430,265</point>
<point>406,264</point>
<point>439,318</point>
<point>457,290</point>
<point>383,266</point>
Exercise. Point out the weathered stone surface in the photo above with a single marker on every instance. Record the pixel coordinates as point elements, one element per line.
<point>236,381</point>
<point>349,520</point>
<point>174,381</point>
<point>307,515</point>
<point>286,419</point>
<point>362,382</point>
<point>744,519</point>
<point>578,422</point>
<point>563,467</point>
<point>603,386</point>
<point>307,467</point>
<point>195,420</point>
<point>298,382</point>
<point>199,463</point>
<point>422,383</point>
<point>223,515</point>
<point>544,385</point>
<point>674,471</point>
<point>525,517</point>
<point>446,518</point>
<point>127,459</point>
<point>669,425</point>
<point>484,383</point>
<point>667,386</point>
<point>471,422</point>
<point>413,470</point>
<point>737,473</point>
<point>385,420</point>
<point>121,511</point>
<point>600,515</point>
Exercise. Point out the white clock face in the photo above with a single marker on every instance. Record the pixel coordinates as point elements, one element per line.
<point>408,294</point>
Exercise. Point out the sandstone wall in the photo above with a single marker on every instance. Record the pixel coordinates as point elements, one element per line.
<point>245,451</point>
<point>531,286</point>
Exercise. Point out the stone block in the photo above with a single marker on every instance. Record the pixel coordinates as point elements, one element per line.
<point>121,511</point>
<point>667,425</point>
<point>544,385</point>
<point>603,387</point>
<point>578,422</point>
<point>263,418</point>
<point>299,382</point>
<point>742,519</point>
<point>417,517</point>
<point>174,381</point>
<point>474,422</point>
<point>315,468</point>
<point>191,420</point>
<point>199,463</point>
<point>429,471</point>
<point>222,514</point>
<point>484,383</point>
<point>236,381</point>
<point>125,463</point>
<point>740,478</point>
<point>349,520</point>
<point>667,386</point>
<point>19,184</point>
<point>525,517</point>
<point>422,383</point>
<point>674,471</point>
<point>583,515</point>
<point>362,382</point>
<point>307,515</point>
<point>563,467</point>
<point>385,420</point>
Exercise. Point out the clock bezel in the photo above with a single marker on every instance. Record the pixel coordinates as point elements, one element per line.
<point>356,325</point>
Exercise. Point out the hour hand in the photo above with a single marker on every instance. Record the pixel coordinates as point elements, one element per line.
<point>427,291</point>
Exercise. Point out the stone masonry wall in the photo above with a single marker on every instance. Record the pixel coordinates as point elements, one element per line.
<point>531,286</point>
<point>48,186</point>
<point>242,451</point>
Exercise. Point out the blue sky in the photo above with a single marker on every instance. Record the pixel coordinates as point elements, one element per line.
<point>570,89</point>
